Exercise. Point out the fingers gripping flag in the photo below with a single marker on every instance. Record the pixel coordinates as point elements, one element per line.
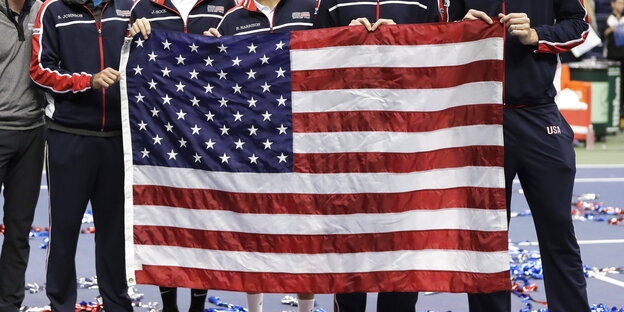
<point>318,161</point>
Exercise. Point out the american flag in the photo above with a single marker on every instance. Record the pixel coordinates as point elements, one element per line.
<point>321,161</point>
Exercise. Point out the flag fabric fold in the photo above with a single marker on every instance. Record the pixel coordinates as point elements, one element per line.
<point>324,161</point>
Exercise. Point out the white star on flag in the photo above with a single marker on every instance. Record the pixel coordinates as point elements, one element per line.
<point>139,42</point>
<point>152,56</point>
<point>166,99</point>
<point>138,70</point>
<point>224,158</point>
<point>172,154</point>
<point>265,59</point>
<point>209,116</point>
<point>139,98</point>
<point>195,130</point>
<point>252,48</point>
<point>165,72</point>
<point>282,158</point>
<point>157,139</point>
<point>166,44</point>
<point>238,116</point>
<point>239,144</point>
<point>194,48</point>
<point>210,144</point>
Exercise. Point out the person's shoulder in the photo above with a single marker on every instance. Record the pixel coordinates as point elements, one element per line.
<point>36,5</point>
<point>52,7</point>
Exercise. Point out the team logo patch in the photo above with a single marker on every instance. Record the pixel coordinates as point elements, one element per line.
<point>301,15</point>
<point>216,9</point>
<point>553,130</point>
<point>123,13</point>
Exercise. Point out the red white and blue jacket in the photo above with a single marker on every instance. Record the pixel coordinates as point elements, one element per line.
<point>530,71</point>
<point>289,15</point>
<point>70,45</point>
<point>335,13</point>
<point>162,15</point>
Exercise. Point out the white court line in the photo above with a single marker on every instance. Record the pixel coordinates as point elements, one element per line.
<point>581,242</point>
<point>609,280</point>
<point>600,166</point>
<point>590,180</point>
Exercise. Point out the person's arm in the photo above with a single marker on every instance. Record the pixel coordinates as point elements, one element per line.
<point>570,30</point>
<point>44,67</point>
<point>611,24</point>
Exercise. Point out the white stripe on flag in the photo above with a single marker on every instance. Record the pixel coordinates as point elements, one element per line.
<point>405,100</point>
<point>429,55</point>
<point>331,183</point>
<point>397,142</point>
<point>295,224</point>
<point>402,260</point>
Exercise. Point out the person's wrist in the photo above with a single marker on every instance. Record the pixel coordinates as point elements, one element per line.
<point>533,37</point>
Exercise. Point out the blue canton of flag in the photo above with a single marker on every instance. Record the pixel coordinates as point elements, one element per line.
<point>218,105</point>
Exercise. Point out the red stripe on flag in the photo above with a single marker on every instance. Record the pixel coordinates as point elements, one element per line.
<point>402,281</point>
<point>318,244</point>
<point>397,77</point>
<point>393,35</point>
<point>399,162</point>
<point>324,204</point>
<point>396,121</point>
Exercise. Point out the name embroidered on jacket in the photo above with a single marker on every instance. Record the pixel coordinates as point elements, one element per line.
<point>163,11</point>
<point>247,26</point>
<point>69,15</point>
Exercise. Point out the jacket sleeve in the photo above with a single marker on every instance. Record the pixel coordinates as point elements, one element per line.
<point>45,68</point>
<point>457,10</point>
<point>324,17</point>
<point>570,29</point>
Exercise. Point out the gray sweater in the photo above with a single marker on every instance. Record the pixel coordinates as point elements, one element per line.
<point>21,106</point>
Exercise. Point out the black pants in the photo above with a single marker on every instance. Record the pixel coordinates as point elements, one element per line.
<point>538,148</point>
<point>21,163</point>
<point>83,169</point>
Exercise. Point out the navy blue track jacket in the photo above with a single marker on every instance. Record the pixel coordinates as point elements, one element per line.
<point>530,71</point>
<point>163,15</point>
<point>70,45</point>
<point>335,13</point>
<point>289,15</point>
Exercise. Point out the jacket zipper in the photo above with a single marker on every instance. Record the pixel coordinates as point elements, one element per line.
<point>377,13</point>
<point>101,43</point>
<point>272,21</point>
